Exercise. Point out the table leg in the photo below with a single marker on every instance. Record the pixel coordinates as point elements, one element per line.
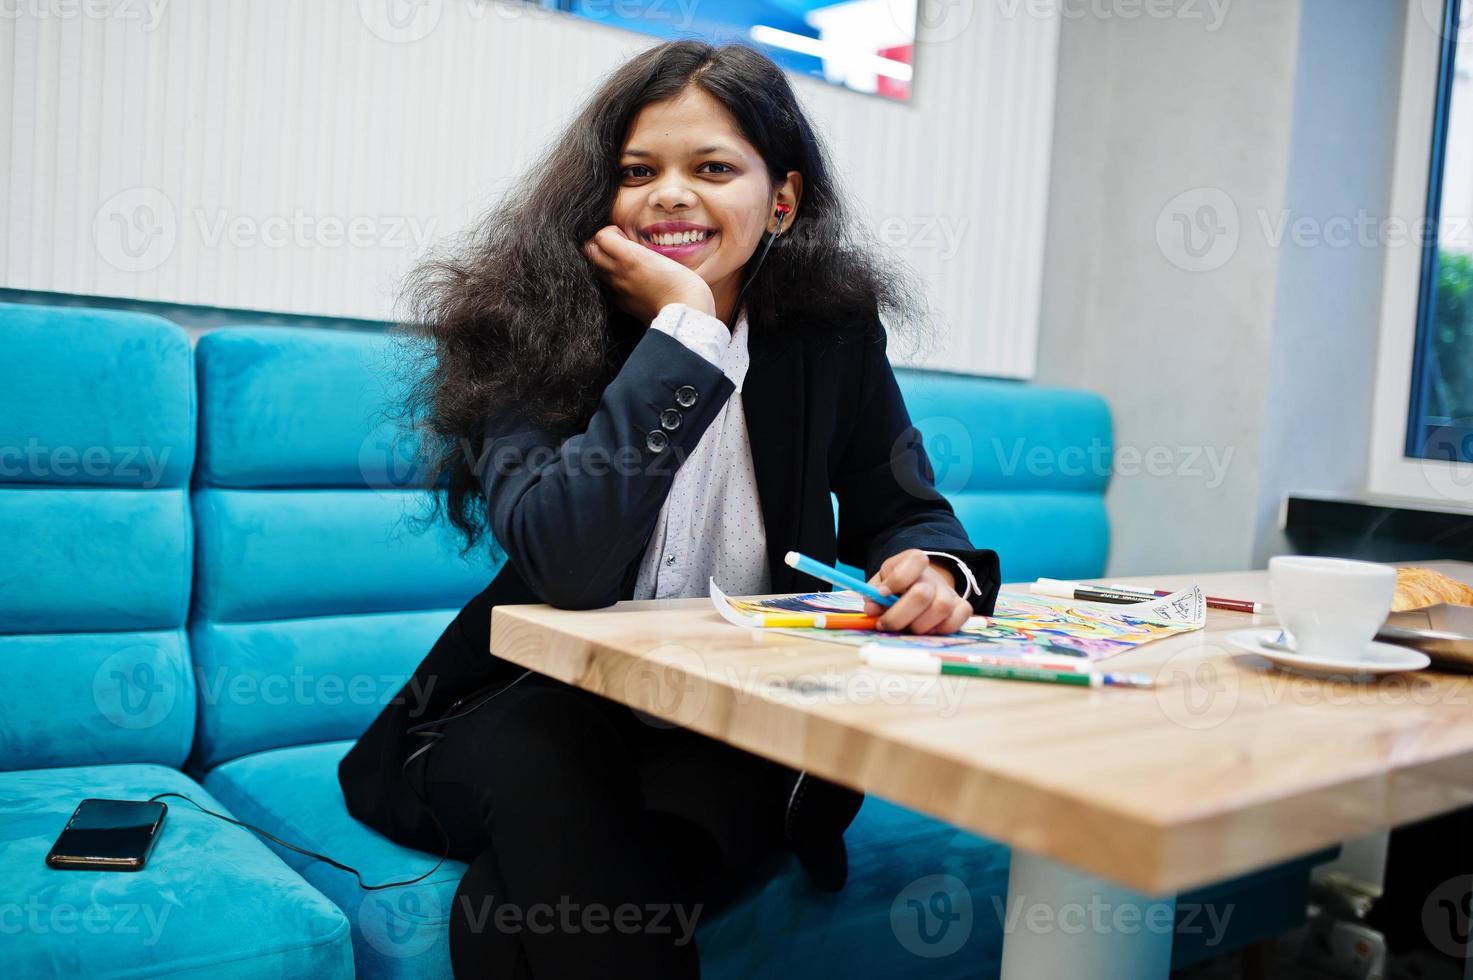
<point>1064,923</point>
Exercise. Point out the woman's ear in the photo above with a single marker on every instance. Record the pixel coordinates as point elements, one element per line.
<point>787,194</point>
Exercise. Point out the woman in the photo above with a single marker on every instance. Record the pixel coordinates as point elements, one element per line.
<point>630,396</point>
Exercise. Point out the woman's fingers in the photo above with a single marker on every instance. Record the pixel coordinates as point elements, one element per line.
<point>642,279</point>
<point>958,617</point>
<point>933,615</point>
<point>608,239</point>
<point>620,248</point>
<point>896,576</point>
<point>607,247</point>
<point>926,603</point>
<point>914,601</point>
<point>871,607</point>
<point>597,255</point>
<point>609,251</point>
<point>905,569</point>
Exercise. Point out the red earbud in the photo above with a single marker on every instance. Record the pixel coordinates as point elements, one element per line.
<point>782,210</point>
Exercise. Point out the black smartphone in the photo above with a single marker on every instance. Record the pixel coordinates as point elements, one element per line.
<point>108,835</point>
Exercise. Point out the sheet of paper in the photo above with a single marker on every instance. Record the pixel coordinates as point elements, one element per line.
<point>748,612</point>
<point>1022,624</point>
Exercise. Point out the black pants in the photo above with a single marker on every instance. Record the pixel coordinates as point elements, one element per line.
<point>597,837</point>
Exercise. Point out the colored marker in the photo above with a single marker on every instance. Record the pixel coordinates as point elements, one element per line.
<point>829,573</point>
<point>821,621</point>
<point>1122,594</point>
<point>1072,665</point>
<point>921,663</point>
<point>1213,601</point>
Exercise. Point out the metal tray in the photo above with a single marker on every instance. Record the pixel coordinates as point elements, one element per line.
<point>1444,632</point>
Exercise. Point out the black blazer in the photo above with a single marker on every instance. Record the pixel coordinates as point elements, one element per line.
<point>823,414</point>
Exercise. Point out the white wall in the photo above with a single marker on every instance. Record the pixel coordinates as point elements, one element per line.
<point>296,156</point>
<point>1322,357</point>
<point>1210,271</point>
<point>1172,135</point>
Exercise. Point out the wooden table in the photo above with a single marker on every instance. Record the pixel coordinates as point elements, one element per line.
<point>1106,794</point>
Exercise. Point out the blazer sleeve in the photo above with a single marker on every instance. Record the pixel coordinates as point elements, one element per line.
<point>888,501</point>
<point>572,516</point>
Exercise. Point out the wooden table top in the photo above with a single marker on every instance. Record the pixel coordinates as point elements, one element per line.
<point>1228,765</point>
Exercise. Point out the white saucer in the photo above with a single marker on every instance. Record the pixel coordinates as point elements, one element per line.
<point>1380,658</point>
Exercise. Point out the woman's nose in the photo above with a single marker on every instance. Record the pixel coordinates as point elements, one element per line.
<point>671,194</point>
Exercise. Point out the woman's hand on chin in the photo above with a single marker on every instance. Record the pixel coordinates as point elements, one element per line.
<point>644,281</point>
<point>928,601</point>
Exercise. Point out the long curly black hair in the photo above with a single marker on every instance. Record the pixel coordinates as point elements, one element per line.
<point>511,319</point>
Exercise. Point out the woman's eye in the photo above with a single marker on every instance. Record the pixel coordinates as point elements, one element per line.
<point>629,172</point>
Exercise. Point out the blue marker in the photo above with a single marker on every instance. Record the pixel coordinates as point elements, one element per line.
<point>830,574</point>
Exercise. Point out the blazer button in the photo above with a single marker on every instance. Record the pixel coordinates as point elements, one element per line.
<point>656,440</point>
<point>670,419</point>
<point>685,396</point>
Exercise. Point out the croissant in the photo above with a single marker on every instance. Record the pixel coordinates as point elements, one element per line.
<point>1418,587</point>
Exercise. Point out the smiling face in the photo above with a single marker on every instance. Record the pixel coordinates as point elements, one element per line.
<point>692,188</point>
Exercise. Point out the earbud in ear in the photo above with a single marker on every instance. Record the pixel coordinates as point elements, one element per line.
<point>781,211</point>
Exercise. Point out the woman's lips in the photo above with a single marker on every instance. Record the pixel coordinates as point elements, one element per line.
<point>680,251</point>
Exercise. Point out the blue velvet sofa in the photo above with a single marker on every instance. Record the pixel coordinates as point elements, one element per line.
<point>214,580</point>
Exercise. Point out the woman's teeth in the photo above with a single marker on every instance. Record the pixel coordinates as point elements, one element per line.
<point>679,237</point>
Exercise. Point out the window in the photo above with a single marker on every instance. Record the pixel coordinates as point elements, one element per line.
<point>1440,416</point>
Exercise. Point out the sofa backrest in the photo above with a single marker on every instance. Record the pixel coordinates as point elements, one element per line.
<point>97,440</point>
<point>316,594</point>
<point>1024,466</point>
<point>313,592</point>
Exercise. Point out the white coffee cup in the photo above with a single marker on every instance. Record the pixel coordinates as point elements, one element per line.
<point>1330,608</point>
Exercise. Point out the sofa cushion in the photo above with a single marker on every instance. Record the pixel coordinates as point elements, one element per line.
<point>902,865</point>
<point>95,697</point>
<point>1024,466</point>
<point>78,560</point>
<point>106,399</point>
<point>990,434</point>
<point>96,445</point>
<point>213,901</point>
<point>281,554</point>
<point>317,587</point>
<point>293,407</point>
<point>1052,533</point>
<point>293,792</point>
<point>288,682</point>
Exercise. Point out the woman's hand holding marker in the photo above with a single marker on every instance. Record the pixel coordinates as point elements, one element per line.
<point>642,280</point>
<point>928,601</point>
